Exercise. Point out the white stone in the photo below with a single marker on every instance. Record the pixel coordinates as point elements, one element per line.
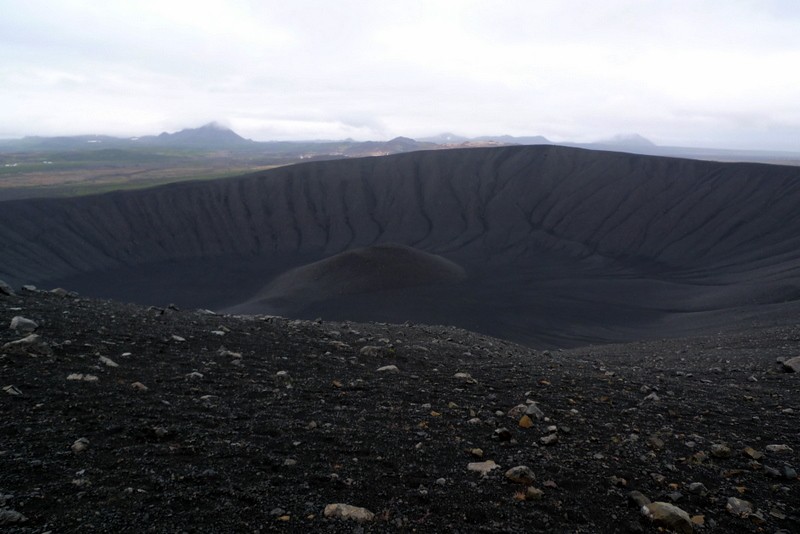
<point>108,362</point>
<point>80,445</point>
<point>347,511</point>
<point>22,324</point>
<point>484,468</point>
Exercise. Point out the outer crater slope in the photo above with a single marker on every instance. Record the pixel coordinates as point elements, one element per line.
<point>560,246</point>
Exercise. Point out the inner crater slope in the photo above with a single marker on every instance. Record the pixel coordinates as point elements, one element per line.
<point>547,245</point>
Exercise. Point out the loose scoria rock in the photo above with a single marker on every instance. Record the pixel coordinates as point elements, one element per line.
<point>668,516</point>
<point>698,488</point>
<point>533,494</point>
<point>82,377</point>
<point>720,450</point>
<point>778,448</point>
<point>31,344</point>
<point>63,293</point>
<point>739,507</point>
<point>369,350</point>
<point>108,362</point>
<point>23,324</point>
<point>533,411</point>
<point>5,289</point>
<point>550,439</point>
<point>520,474</point>
<point>638,498</point>
<point>792,365</point>
<point>12,390</point>
<point>11,517</point>
<point>752,453</point>
<point>138,386</point>
<point>466,377</point>
<point>502,434</point>
<point>347,511</point>
<point>482,467</point>
<point>80,445</point>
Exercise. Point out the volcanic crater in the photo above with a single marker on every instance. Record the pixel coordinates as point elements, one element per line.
<point>559,246</point>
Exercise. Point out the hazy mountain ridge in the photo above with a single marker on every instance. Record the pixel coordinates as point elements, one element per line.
<point>215,137</point>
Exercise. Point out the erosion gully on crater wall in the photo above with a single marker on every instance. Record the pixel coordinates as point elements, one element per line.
<point>558,246</point>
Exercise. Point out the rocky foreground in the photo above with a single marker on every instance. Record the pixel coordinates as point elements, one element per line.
<point>120,418</point>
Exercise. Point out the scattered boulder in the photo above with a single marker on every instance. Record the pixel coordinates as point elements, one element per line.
<point>550,439</point>
<point>750,452</point>
<point>369,350</point>
<point>533,494</point>
<point>652,397</point>
<point>792,365</point>
<point>23,325</point>
<point>6,289</point>
<point>31,344</point>
<point>108,362</point>
<point>778,448</point>
<point>517,411</point>
<point>638,498</point>
<point>789,472</point>
<point>739,507</point>
<point>80,377</point>
<point>347,511</point>
<point>225,352</point>
<point>12,390</point>
<point>520,474</point>
<point>466,377</point>
<point>11,517</point>
<point>772,472</point>
<point>138,386</point>
<point>63,293</point>
<point>720,450</point>
<point>534,412</point>
<point>388,369</point>
<point>283,379</point>
<point>80,445</point>
<point>698,488</point>
<point>482,467</point>
<point>669,516</point>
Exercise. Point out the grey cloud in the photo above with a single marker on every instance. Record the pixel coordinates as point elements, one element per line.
<point>677,71</point>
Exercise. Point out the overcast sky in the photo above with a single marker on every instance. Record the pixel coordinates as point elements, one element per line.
<point>717,73</point>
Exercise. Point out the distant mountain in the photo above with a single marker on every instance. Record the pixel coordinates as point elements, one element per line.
<point>212,135</point>
<point>627,140</point>
<point>393,146</point>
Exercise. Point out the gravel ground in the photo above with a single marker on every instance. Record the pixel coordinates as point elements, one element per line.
<point>121,418</point>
